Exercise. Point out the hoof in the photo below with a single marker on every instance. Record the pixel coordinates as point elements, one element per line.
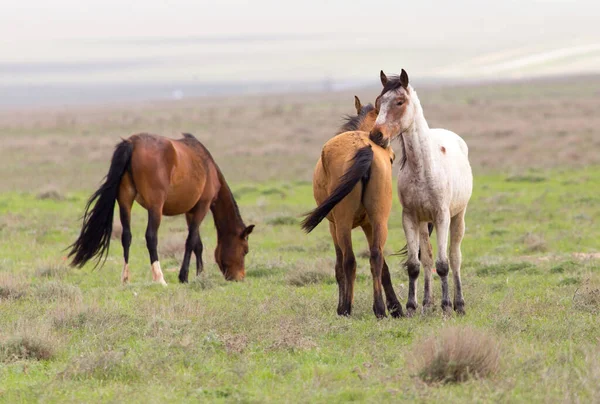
<point>459,308</point>
<point>343,312</point>
<point>428,308</point>
<point>447,308</point>
<point>395,310</point>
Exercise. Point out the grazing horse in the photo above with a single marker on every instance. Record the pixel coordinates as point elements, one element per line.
<point>352,187</point>
<point>434,185</point>
<point>167,177</point>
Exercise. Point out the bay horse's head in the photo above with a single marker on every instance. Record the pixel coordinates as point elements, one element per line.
<point>363,120</point>
<point>396,109</point>
<point>231,252</point>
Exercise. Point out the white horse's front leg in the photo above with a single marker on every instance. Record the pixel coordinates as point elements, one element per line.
<point>411,230</point>
<point>442,226</point>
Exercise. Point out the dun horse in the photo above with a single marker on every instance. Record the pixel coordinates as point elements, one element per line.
<point>434,184</point>
<point>352,187</point>
<point>167,177</point>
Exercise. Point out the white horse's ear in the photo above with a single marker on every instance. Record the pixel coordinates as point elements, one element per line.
<point>357,105</point>
<point>383,78</point>
<point>404,79</point>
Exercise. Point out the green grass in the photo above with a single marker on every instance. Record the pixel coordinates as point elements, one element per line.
<point>70,335</point>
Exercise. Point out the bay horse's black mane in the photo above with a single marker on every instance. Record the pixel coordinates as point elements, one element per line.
<point>353,122</point>
<point>193,141</point>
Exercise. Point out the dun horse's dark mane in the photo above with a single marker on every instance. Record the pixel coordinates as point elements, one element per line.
<point>188,137</point>
<point>353,122</point>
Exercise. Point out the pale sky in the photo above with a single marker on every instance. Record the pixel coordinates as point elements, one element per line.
<point>63,41</point>
<point>42,19</point>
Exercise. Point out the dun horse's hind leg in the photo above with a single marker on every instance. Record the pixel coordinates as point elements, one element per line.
<point>154,218</point>
<point>413,266</point>
<point>344,238</point>
<point>442,225</point>
<point>340,276</point>
<point>193,218</point>
<point>393,305</point>
<point>427,261</point>
<point>125,200</point>
<point>457,231</point>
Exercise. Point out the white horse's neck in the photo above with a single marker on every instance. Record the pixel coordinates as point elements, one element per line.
<point>417,142</point>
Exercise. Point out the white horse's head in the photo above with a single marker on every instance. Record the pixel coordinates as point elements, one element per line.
<point>398,107</point>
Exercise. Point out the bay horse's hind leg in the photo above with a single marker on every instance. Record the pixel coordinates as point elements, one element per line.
<point>154,218</point>
<point>340,276</point>
<point>193,218</point>
<point>393,304</point>
<point>198,253</point>
<point>457,231</point>
<point>125,201</point>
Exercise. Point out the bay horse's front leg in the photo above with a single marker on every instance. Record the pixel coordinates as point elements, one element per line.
<point>442,226</point>
<point>154,218</point>
<point>193,219</point>
<point>410,223</point>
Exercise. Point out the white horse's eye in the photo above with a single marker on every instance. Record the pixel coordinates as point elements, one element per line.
<point>399,103</point>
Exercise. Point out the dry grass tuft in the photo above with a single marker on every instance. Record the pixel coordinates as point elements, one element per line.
<point>12,287</point>
<point>455,355</point>
<point>172,246</point>
<point>53,269</point>
<point>117,230</point>
<point>25,347</point>
<point>282,220</point>
<point>108,365</point>
<point>310,273</point>
<point>56,290</point>
<point>587,298</point>
<point>534,243</point>
<point>50,193</point>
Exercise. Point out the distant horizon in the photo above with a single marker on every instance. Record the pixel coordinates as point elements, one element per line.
<point>111,46</point>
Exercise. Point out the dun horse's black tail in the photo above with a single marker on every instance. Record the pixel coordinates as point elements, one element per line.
<point>94,240</point>
<point>404,251</point>
<point>359,170</point>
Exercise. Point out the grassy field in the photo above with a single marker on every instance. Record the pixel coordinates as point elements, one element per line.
<point>531,279</point>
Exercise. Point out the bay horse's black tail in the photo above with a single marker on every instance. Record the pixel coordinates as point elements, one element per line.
<point>359,170</point>
<point>94,239</point>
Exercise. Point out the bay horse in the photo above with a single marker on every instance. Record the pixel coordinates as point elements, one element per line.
<point>352,187</point>
<point>166,177</point>
<point>435,183</point>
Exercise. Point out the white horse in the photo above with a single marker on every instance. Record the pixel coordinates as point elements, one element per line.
<point>434,185</point>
